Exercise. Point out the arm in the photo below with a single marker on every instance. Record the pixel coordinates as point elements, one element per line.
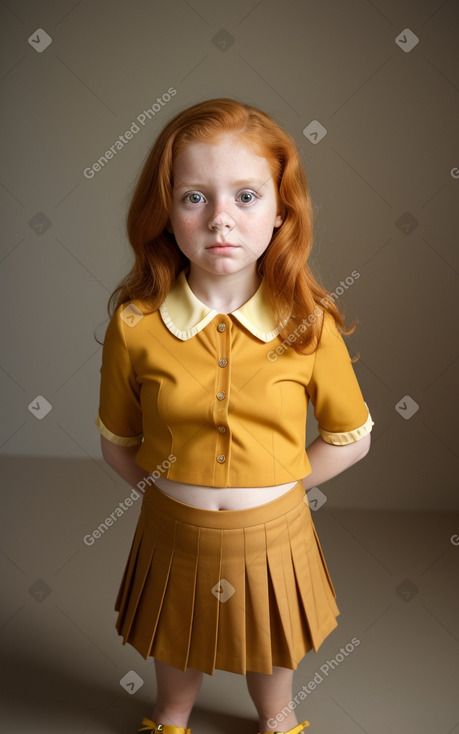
<point>328,461</point>
<point>122,460</point>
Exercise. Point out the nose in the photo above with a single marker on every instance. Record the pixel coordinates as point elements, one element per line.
<point>222,222</point>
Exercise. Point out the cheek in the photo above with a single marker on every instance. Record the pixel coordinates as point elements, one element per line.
<point>184,224</point>
<point>262,223</point>
<point>188,226</point>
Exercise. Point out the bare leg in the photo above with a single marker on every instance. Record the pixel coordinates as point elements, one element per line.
<point>177,692</point>
<point>271,694</point>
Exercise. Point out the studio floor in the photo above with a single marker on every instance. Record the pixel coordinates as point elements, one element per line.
<point>65,670</point>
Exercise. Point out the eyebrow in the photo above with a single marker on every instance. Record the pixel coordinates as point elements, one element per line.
<point>246,182</point>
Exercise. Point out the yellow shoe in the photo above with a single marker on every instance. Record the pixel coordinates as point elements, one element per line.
<point>149,727</point>
<point>296,729</point>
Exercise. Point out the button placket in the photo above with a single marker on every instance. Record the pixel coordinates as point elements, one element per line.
<point>223,329</point>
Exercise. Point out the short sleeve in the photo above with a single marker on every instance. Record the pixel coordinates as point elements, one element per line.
<point>120,417</point>
<point>339,408</point>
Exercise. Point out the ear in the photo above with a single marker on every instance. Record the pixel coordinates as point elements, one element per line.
<point>278,221</point>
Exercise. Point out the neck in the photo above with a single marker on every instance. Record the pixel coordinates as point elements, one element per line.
<point>223,293</point>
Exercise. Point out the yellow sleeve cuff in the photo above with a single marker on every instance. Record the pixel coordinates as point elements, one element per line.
<point>120,440</point>
<point>346,437</point>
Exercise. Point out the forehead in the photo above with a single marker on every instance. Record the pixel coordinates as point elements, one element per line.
<point>226,153</point>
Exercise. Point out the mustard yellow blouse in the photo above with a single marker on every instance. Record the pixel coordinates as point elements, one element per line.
<point>223,393</point>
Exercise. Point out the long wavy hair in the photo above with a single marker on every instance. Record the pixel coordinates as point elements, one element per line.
<point>295,296</point>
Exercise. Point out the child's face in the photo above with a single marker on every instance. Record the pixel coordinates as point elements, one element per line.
<point>222,193</point>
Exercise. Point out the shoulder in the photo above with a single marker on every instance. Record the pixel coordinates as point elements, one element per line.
<point>328,321</point>
<point>330,335</point>
<point>130,319</point>
<point>132,312</point>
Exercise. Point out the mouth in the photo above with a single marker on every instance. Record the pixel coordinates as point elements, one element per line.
<point>222,246</point>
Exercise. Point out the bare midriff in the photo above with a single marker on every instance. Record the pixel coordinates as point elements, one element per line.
<point>221,498</point>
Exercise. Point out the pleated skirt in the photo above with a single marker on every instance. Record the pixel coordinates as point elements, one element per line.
<point>234,590</point>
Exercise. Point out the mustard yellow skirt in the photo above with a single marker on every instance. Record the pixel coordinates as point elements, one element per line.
<point>234,590</point>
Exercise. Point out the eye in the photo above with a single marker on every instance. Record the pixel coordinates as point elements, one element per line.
<point>247,193</point>
<point>192,201</point>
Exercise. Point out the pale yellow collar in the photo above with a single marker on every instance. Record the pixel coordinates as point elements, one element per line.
<point>185,315</point>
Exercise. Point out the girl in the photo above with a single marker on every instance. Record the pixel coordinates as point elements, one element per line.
<point>218,338</point>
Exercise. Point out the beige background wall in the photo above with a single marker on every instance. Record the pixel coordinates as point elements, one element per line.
<point>384,182</point>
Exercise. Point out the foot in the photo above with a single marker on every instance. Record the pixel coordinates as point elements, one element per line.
<point>149,726</point>
<point>296,729</point>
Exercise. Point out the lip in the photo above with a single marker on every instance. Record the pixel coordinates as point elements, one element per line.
<point>222,246</point>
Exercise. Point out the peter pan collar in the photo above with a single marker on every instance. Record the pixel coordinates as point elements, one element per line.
<point>185,315</point>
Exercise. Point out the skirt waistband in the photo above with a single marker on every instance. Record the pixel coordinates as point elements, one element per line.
<point>155,501</point>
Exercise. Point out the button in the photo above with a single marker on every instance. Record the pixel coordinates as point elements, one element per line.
<point>222,362</point>
<point>222,429</point>
<point>221,395</point>
<point>221,327</point>
<point>221,459</point>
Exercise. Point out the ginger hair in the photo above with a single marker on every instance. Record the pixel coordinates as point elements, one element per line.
<point>293,291</point>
